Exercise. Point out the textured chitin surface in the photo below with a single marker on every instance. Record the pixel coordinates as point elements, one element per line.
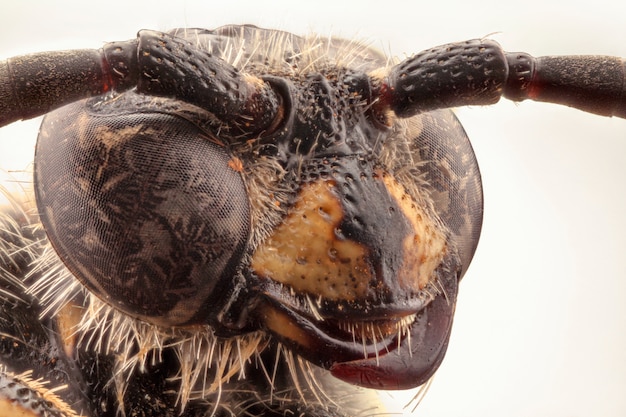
<point>305,253</point>
<point>312,253</point>
<point>210,265</point>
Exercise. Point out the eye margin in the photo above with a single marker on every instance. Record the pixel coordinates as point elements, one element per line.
<point>106,207</point>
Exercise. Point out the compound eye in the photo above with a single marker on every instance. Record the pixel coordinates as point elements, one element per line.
<point>146,210</point>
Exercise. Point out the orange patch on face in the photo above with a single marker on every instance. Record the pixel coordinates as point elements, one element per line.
<point>305,253</point>
<point>67,320</point>
<point>425,248</point>
<point>280,323</point>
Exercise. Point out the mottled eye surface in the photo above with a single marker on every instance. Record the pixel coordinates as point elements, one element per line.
<point>147,210</point>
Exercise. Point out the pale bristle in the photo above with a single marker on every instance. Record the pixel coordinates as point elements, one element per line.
<point>40,388</point>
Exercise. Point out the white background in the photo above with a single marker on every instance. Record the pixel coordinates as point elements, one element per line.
<point>540,325</point>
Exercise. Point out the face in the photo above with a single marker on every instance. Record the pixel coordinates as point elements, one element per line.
<point>339,229</point>
<point>274,198</point>
<point>289,190</point>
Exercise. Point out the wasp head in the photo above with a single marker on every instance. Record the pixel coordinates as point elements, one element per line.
<point>327,221</point>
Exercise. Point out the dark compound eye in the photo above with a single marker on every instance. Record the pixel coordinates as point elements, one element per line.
<point>145,209</point>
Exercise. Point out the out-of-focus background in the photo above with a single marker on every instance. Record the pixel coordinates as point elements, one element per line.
<point>540,328</point>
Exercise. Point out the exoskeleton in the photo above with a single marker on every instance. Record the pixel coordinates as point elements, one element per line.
<point>247,222</point>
